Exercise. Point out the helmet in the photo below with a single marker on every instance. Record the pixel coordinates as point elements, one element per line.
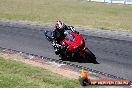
<point>59,25</point>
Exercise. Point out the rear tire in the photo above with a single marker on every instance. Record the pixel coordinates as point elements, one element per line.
<point>90,56</point>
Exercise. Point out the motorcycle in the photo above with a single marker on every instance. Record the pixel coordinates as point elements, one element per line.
<point>73,46</point>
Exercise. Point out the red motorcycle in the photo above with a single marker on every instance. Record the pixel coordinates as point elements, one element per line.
<point>74,46</point>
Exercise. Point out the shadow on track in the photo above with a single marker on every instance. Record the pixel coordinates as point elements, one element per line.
<point>80,60</point>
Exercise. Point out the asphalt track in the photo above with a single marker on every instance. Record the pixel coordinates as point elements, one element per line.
<point>114,56</point>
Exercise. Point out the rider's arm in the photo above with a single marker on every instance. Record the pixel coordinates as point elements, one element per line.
<point>69,28</point>
<point>72,29</point>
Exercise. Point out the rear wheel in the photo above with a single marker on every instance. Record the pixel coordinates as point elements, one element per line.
<point>90,56</point>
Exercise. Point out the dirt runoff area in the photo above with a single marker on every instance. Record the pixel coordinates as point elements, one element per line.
<point>65,72</point>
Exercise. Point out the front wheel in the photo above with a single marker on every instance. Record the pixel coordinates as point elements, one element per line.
<point>90,56</point>
<point>63,55</point>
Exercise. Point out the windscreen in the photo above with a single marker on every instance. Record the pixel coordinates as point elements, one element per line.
<point>69,36</point>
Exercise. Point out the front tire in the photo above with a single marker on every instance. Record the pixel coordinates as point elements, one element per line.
<point>63,55</point>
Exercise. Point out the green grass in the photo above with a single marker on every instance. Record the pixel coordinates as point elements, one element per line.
<point>19,75</point>
<point>75,12</point>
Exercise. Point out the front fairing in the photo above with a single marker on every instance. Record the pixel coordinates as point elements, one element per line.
<point>74,42</point>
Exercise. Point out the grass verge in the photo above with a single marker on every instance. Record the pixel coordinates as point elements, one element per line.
<point>15,74</point>
<point>75,12</point>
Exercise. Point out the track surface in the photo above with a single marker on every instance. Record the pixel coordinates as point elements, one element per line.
<point>114,56</point>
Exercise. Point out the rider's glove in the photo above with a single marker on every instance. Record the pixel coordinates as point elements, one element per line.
<point>73,29</point>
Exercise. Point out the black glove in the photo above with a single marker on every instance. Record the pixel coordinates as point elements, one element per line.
<point>73,29</point>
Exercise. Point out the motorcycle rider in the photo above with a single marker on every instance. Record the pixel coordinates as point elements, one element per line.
<point>59,33</point>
